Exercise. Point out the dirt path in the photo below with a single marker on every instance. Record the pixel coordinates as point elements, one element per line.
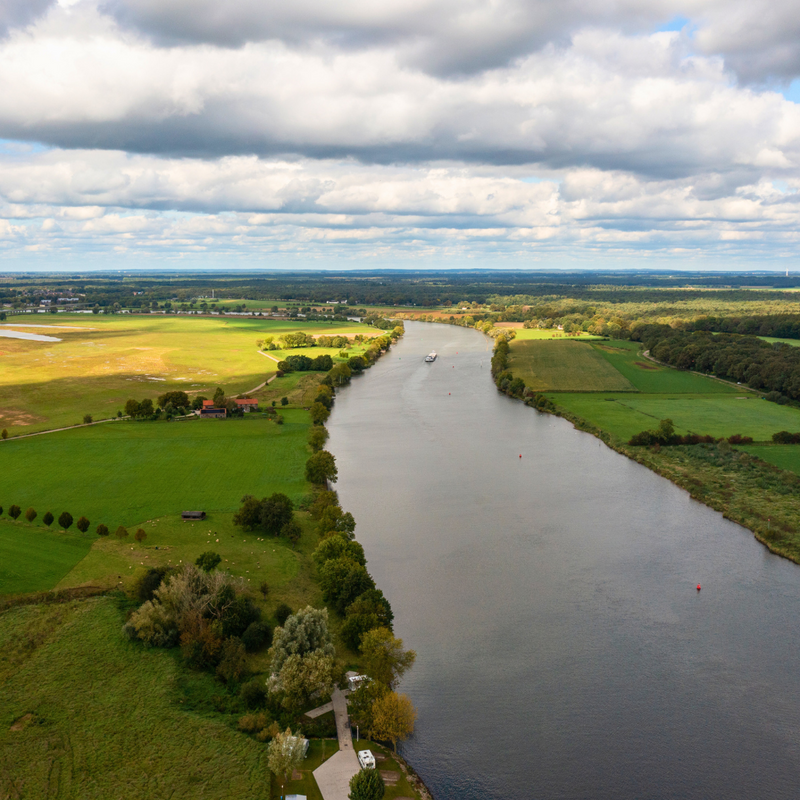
<point>68,428</point>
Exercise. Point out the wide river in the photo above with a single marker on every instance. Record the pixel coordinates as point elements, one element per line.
<point>563,648</point>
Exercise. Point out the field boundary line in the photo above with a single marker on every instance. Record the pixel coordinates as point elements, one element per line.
<point>67,428</point>
<point>276,360</point>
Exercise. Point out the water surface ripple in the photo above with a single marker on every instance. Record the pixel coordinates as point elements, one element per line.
<point>563,650</point>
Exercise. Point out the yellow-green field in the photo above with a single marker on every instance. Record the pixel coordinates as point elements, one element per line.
<point>565,366</point>
<point>539,334</point>
<point>102,361</point>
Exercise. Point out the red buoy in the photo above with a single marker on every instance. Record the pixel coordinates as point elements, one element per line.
<point>520,455</point>
<point>698,587</point>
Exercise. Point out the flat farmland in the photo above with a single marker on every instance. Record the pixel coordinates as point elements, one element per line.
<point>34,559</point>
<point>545,334</point>
<point>122,473</point>
<point>717,415</point>
<point>653,378</point>
<point>103,360</point>
<point>785,456</point>
<point>564,366</point>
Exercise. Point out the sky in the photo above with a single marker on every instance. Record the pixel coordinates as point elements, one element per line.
<point>268,134</point>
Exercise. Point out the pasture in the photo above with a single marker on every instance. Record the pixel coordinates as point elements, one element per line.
<point>647,376</point>
<point>564,366</point>
<point>103,360</point>
<point>87,715</point>
<point>784,456</point>
<point>717,415</point>
<point>122,473</point>
<point>546,334</point>
<point>34,559</point>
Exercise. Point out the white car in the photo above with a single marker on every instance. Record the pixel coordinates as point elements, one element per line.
<point>366,759</point>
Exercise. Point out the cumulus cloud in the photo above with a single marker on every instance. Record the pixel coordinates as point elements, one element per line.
<point>514,129</point>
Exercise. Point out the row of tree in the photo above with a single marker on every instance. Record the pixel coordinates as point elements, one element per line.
<point>66,520</point>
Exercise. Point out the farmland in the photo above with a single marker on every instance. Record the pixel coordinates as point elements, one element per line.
<point>564,366</point>
<point>123,473</point>
<point>36,559</point>
<point>103,360</point>
<point>87,714</point>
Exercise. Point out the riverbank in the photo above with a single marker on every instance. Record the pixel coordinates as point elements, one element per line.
<point>744,488</point>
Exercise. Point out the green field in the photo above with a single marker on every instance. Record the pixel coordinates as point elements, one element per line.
<point>649,377</point>
<point>103,360</point>
<point>564,366</point>
<point>785,456</point>
<point>549,334</point>
<point>123,473</point>
<point>35,560</point>
<point>623,415</point>
<point>108,718</point>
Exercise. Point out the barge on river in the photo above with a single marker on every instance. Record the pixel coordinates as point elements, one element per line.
<point>431,356</point>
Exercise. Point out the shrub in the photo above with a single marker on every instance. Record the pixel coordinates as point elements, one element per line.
<point>254,695</point>
<point>82,524</point>
<point>140,535</point>
<point>47,518</point>
<point>264,589</point>
<point>87,419</point>
<point>284,401</point>
<point>291,531</point>
<point>208,561</point>
<point>65,520</point>
<point>233,666</point>
<point>317,437</point>
<point>256,636</point>
<point>30,514</point>
<point>282,613</point>
<point>253,723</point>
<point>102,530</point>
<point>4,434</point>
<point>121,532</point>
<point>737,438</point>
<point>784,437</point>
<point>14,512</point>
<point>146,585</point>
<point>367,784</point>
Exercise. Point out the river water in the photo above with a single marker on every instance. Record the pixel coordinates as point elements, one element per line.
<point>563,648</point>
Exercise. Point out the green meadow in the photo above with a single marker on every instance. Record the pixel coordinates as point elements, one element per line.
<point>716,415</point>
<point>87,715</point>
<point>123,473</point>
<point>103,360</point>
<point>34,559</point>
<point>611,385</point>
<point>784,456</point>
<point>564,366</point>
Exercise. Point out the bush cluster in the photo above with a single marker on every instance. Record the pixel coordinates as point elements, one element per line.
<point>207,613</point>
<point>273,515</point>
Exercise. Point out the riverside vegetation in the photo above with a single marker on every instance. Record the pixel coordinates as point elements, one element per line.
<point>692,429</point>
<point>234,625</point>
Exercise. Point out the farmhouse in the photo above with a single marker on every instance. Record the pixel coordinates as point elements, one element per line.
<point>247,404</point>
<point>192,515</point>
<point>208,410</point>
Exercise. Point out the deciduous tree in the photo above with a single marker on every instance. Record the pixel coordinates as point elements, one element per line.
<point>30,514</point>
<point>367,785</point>
<point>321,467</point>
<point>102,530</point>
<point>385,659</point>
<point>285,755</point>
<point>14,512</point>
<point>47,518</point>
<point>208,560</point>
<point>82,524</point>
<point>65,520</point>
<point>140,535</point>
<point>393,717</point>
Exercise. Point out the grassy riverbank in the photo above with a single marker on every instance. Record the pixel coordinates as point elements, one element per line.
<point>757,485</point>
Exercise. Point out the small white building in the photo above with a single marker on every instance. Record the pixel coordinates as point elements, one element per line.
<point>366,759</point>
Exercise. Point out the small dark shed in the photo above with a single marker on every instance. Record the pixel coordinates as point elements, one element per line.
<point>190,515</point>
